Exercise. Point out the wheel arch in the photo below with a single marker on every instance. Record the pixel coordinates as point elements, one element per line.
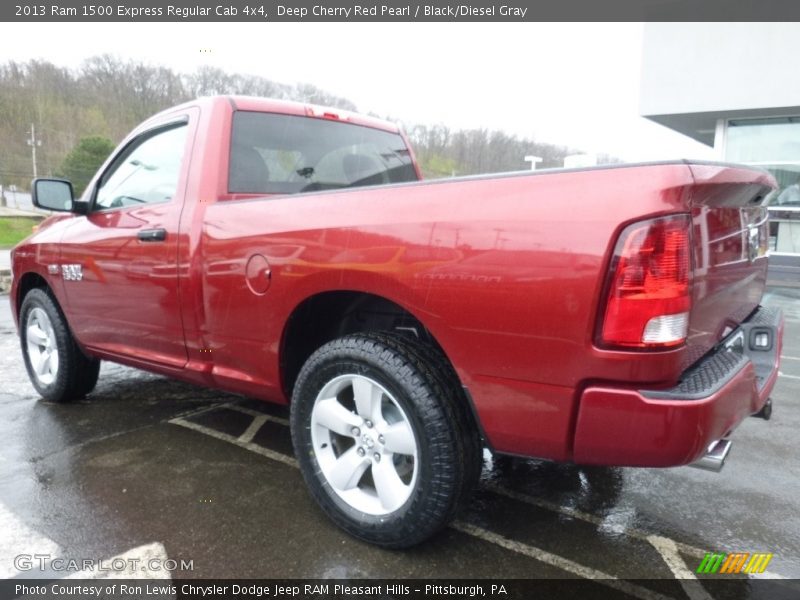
<point>27,282</point>
<point>33,280</point>
<point>73,374</point>
<point>327,315</point>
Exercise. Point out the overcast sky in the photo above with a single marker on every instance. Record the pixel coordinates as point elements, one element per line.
<point>573,84</point>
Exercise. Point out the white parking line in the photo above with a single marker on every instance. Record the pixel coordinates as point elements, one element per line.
<point>17,539</point>
<point>782,374</point>
<point>789,357</point>
<point>193,412</point>
<point>25,541</point>
<point>669,552</point>
<point>472,530</point>
<point>287,460</point>
<point>252,429</point>
<point>142,555</point>
<point>601,522</point>
<point>584,516</point>
<point>255,413</point>
<point>558,561</point>
<point>244,441</point>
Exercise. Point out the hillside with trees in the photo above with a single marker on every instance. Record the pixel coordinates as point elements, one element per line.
<point>78,114</point>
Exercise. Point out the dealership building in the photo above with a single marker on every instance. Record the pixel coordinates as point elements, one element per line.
<point>733,86</point>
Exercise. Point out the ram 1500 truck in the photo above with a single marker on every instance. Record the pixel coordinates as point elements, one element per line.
<point>288,252</point>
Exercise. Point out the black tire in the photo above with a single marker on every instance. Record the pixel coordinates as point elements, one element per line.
<point>76,374</point>
<point>416,380</point>
<point>433,360</point>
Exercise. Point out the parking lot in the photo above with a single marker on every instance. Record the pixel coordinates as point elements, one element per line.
<point>146,466</point>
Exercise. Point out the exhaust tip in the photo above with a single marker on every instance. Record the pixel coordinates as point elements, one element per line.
<point>714,458</point>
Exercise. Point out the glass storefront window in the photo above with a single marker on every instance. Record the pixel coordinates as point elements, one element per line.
<point>775,140</point>
<point>773,144</point>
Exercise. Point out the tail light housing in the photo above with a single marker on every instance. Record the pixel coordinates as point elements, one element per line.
<point>649,285</point>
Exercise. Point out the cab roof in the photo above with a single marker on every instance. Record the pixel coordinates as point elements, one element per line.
<point>286,107</point>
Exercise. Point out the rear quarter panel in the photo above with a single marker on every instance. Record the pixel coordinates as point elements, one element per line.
<point>505,272</point>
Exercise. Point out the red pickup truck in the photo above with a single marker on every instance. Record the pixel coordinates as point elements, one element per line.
<point>288,252</point>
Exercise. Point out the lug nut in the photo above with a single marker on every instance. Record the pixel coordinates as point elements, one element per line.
<point>355,431</point>
<point>377,457</point>
<point>368,424</point>
<point>360,451</point>
<point>381,439</point>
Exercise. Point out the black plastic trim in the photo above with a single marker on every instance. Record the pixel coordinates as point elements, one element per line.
<point>477,419</point>
<point>152,235</point>
<point>717,368</point>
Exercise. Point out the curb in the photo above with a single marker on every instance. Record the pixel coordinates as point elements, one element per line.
<point>5,281</point>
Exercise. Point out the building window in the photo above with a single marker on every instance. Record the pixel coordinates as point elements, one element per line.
<point>773,144</point>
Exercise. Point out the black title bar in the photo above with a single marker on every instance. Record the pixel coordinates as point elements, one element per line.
<point>148,11</point>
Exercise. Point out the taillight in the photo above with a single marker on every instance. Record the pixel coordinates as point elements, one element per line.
<point>649,295</point>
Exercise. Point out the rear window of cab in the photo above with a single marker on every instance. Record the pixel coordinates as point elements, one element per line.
<point>285,154</point>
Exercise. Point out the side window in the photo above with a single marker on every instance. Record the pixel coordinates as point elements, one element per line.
<point>147,171</point>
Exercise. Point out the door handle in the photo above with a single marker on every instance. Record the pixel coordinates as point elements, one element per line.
<point>152,235</point>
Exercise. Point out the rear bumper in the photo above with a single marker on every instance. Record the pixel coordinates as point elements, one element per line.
<point>671,427</point>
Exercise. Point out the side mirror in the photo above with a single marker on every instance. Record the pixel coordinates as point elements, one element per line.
<point>56,194</point>
<point>52,194</point>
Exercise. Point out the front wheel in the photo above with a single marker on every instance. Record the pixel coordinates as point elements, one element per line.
<point>380,438</point>
<point>57,367</point>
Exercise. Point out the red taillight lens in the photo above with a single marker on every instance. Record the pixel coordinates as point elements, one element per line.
<point>649,293</point>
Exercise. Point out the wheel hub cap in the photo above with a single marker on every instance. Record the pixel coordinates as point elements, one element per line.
<point>41,346</point>
<point>365,444</point>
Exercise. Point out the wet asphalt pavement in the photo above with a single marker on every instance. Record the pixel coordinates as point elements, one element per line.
<point>146,466</point>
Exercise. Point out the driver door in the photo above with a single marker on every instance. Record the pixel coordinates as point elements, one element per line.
<point>123,289</point>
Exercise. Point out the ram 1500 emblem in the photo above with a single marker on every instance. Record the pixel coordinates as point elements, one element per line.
<point>72,272</point>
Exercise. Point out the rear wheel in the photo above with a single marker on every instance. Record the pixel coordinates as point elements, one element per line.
<point>380,440</point>
<point>57,367</point>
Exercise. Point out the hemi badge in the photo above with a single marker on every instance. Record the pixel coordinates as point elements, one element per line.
<point>52,269</point>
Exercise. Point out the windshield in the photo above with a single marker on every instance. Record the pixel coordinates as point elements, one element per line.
<point>285,154</point>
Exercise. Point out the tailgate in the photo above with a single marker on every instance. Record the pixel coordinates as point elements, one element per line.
<point>730,237</point>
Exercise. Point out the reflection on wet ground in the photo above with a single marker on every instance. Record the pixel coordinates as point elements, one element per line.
<point>146,462</point>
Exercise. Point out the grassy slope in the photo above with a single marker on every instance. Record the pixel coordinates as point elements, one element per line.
<point>14,229</point>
